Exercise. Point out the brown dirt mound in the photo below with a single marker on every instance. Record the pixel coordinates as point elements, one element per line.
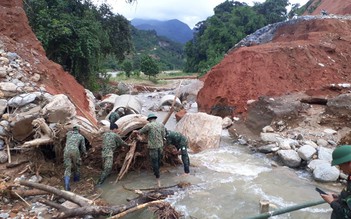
<point>306,56</point>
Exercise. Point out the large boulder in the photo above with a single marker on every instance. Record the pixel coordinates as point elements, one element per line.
<point>203,131</point>
<point>59,110</point>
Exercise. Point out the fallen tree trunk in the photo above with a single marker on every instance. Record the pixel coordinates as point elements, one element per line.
<point>26,193</point>
<point>138,207</point>
<point>12,165</point>
<point>79,200</point>
<point>44,133</point>
<point>87,207</point>
<point>38,142</point>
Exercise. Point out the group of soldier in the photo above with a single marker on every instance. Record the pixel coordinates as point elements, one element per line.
<point>158,137</point>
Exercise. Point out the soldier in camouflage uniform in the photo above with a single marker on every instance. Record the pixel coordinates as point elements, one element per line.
<point>181,143</point>
<point>111,141</point>
<point>114,116</point>
<point>71,155</point>
<point>341,204</point>
<point>156,133</point>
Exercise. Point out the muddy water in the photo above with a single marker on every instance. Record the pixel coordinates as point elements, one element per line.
<point>227,182</point>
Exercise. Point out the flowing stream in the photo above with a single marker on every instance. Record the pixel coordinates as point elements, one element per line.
<point>226,183</point>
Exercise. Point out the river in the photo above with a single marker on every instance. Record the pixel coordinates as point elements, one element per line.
<point>226,183</point>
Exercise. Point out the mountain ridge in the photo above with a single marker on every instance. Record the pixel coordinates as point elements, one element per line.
<point>172,29</point>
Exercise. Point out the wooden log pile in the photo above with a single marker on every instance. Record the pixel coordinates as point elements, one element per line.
<point>153,198</point>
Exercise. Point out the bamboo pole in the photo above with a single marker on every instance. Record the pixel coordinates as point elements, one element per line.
<point>287,209</point>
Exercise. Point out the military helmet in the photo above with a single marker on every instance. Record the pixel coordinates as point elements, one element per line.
<point>151,116</point>
<point>341,154</point>
<point>75,128</point>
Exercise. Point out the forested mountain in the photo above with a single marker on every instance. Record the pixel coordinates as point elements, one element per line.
<point>81,36</point>
<point>231,22</point>
<point>169,54</point>
<point>172,29</point>
<point>78,35</point>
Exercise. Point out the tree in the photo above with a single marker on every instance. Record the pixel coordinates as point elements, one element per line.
<point>149,66</point>
<point>273,10</point>
<point>127,68</point>
<point>78,36</point>
<point>215,36</point>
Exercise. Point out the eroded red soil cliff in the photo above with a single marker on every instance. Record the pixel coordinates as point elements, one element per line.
<point>17,36</point>
<point>340,7</point>
<point>307,55</point>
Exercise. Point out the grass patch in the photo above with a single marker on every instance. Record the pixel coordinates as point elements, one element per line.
<point>160,79</point>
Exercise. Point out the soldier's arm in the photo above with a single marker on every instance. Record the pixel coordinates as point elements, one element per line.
<point>82,146</point>
<point>145,129</point>
<point>120,142</point>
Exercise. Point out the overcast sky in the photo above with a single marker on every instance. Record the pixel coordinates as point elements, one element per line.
<point>188,11</point>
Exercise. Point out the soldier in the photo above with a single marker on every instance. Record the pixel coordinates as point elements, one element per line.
<point>341,204</point>
<point>71,155</point>
<point>111,141</point>
<point>181,143</point>
<point>114,116</point>
<point>156,133</point>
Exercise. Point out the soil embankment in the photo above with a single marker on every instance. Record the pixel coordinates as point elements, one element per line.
<point>304,56</point>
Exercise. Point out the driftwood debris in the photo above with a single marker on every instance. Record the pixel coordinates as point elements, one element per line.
<point>87,207</point>
<point>171,110</point>
<point>314,100</point>
<point>44,133</point>
<point>12,165</point>
<point>127,161</point>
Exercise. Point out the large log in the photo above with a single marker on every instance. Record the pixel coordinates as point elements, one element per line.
<point>79,200</point>
<point>38,142</point>
<point>86,205</point>
<point>131,122</point>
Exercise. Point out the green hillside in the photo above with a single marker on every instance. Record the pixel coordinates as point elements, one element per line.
<point>169,54</point>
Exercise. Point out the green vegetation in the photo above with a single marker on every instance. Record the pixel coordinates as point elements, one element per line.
<point>86,39</point>
<point>160,80</point>
<point>231,22</point>
<point>149,66</point>
<point>169,53</point>
<point>127,67</point>
<point>78,35</point>
<point>296,9</point>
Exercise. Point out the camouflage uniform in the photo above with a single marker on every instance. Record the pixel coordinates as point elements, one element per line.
<point>113,117</point>
<point>156,133</point>
<point>181,143</point>
<point>74,141</point>
<point>111,141</point>
<point>342,206</point>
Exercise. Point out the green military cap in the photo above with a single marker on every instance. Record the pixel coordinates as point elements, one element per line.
<point>151,116</point>
<point>341,154</point>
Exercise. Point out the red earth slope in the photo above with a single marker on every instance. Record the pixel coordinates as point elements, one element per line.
<point>18,37</point>
<point>307,55</point>
<point>340,7</point>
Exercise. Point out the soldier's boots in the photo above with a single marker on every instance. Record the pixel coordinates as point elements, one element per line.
<point>101,180</point>
<point>66,179</point>
<point>76,177</point>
